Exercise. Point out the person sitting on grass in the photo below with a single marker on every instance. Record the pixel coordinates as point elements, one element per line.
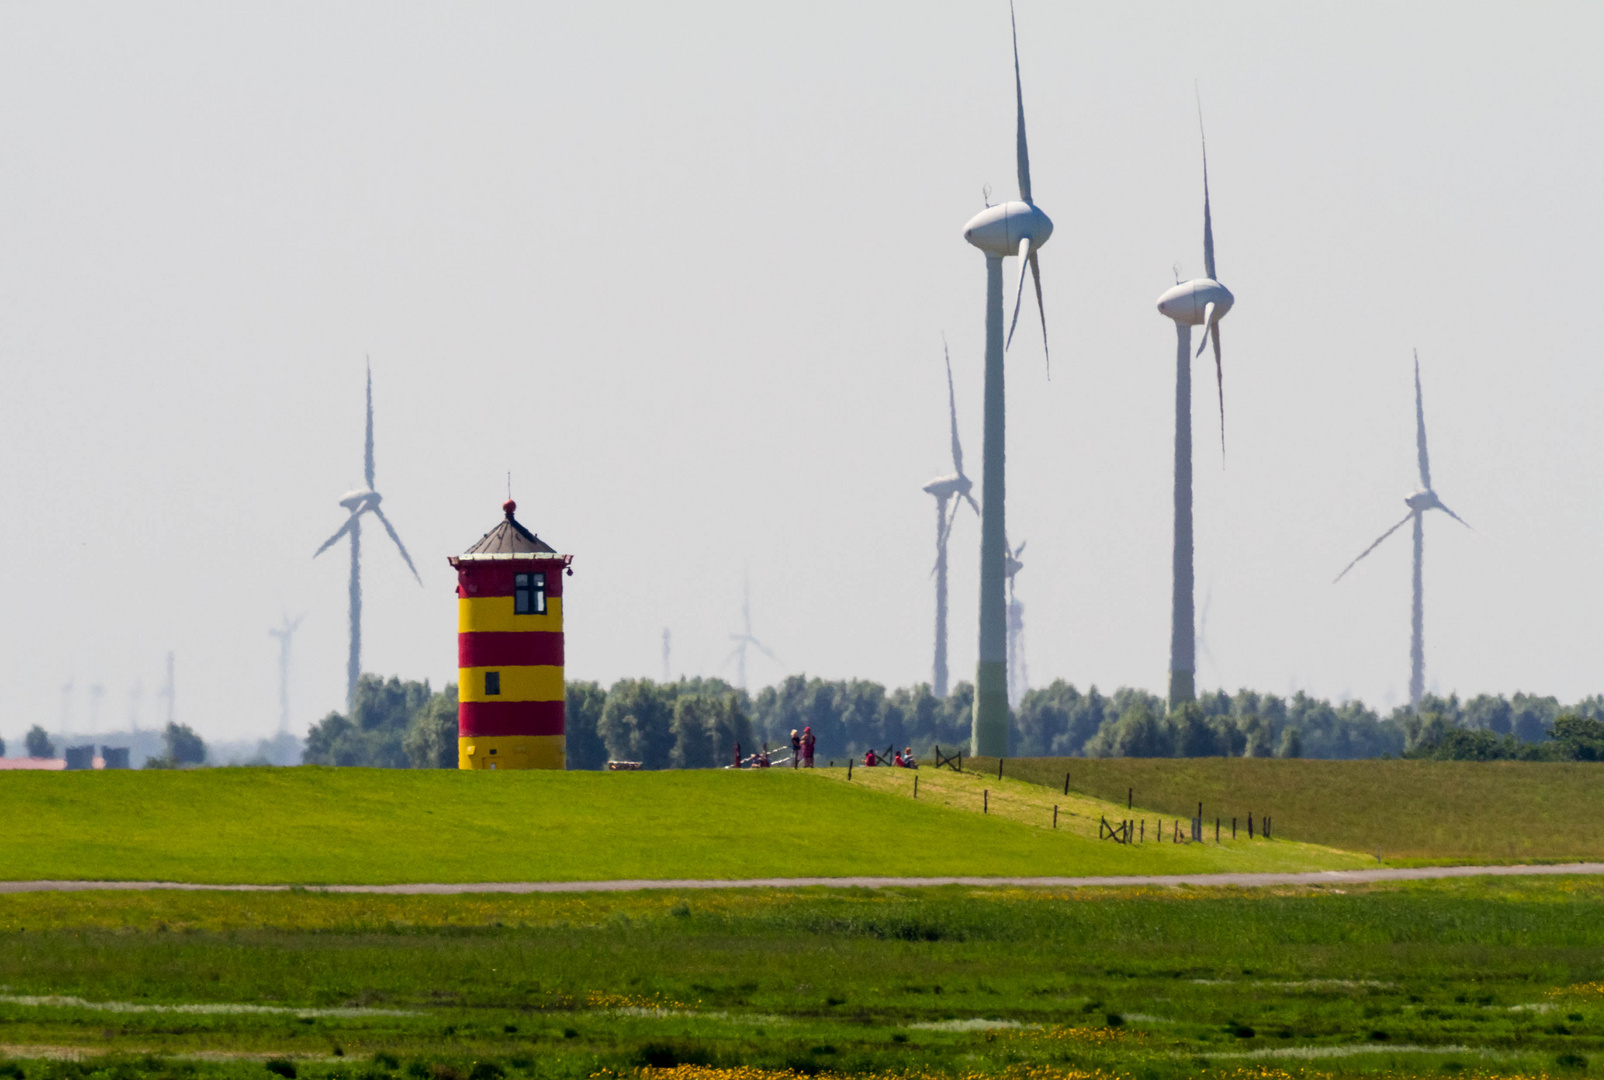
<point>897,761</point>
<point>869,758</point>
<point>908,761</point>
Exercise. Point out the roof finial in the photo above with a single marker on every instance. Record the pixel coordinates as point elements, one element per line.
<point>509,506</point>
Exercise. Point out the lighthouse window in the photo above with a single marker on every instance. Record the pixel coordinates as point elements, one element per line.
<point>492,685</point>
<point>529,594</point>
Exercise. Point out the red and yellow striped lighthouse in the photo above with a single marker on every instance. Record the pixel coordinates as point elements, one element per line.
<point>510,651</point>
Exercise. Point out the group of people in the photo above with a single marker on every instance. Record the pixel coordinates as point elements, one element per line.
<point>904,760</point>
<point>802,748</point>
<point>802,755</point>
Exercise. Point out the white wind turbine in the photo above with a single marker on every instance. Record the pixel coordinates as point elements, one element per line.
<point>745,638</point>
<point>1019,229</point>
<point>1419,502</point>
<point>359,502</point>
<point>285,631</point>
<point>1200,302</point>
<point>945,488</point>
<point>1018,674</point>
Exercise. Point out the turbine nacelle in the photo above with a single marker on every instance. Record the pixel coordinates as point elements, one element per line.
<point>1423,500</point>
<point>1189,301</point>
<point>945,487</point>
<point>362,498</point>
<point>998,230</point>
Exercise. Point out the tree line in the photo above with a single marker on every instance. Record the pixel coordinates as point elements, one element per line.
<point>696,723</point>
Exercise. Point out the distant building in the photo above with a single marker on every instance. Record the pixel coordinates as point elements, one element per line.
<point>510,651</point>
<point>81,757</point>
<point>114,757</point>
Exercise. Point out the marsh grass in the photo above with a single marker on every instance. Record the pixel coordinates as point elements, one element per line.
<point>1144,982</point>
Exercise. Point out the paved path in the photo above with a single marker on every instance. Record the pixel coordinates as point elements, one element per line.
<point>1318,877</point>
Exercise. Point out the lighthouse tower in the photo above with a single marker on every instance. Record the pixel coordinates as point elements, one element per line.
<point>510,650</point>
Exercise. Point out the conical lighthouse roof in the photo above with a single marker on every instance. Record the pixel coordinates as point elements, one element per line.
<point>510,539</point>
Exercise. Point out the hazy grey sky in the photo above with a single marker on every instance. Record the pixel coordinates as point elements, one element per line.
<point>683,269</point>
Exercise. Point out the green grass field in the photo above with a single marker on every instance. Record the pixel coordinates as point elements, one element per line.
<point>1423,811</point>
<point>368,826</point>
<point>1495,977</point>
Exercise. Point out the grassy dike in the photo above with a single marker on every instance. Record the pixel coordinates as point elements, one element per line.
<point>1417,811</point>
<point>366,826</point>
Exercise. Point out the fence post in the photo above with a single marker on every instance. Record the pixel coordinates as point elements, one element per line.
<point>1216,824</point>
<point>1066,784</point>
<point>1055,817</point>
<point>1233,828</point>
<point>1143,833</point>
<point>916,787</point>
<point>849,768</point>
<point>985,802</point>
<point>1129,792</point>
<point>1250,825</point>
<point>999,768</point>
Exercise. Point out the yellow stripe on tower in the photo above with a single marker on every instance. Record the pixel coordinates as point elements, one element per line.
<point>512,752</point>
<point>542,683</point>
<point>477,614</point>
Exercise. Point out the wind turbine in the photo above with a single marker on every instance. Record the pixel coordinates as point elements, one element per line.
<point>284,632</point>
<point>362,501</point>
<point>1419,502</point>
<point>1019,229</point>
<point>745,638</point>
<point>1200,302</point>
<point>1018,677</point>
<point>944,488</point>
<point>665,655</point>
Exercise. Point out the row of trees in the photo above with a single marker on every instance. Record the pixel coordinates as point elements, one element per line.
<point>180,746</point>
<point>695,723</point>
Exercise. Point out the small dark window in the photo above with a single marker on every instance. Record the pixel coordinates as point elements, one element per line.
<point>529,594</point>
<point>492,684</point>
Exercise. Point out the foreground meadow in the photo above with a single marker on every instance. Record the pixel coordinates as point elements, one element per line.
<point>1470,977</point>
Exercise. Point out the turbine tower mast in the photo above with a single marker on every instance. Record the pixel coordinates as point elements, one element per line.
<point>284,632</point>
<point>362,501</point>
<point>1017,676</point>
<point>1018,229</point>
<point>1419,502</point>
<point>944,488</point>
<point>1199,302</point>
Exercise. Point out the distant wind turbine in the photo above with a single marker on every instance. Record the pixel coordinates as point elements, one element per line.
<point>745,638</point>
<point>1018,675</point>
<point>284,632</point>
<point>665,654</point>
<point>1419,502</point>
<point>359,502</point>
<point>1018,229</point>
<point>1199,302</point>
<point>169,691</point>
<point>944,488</point>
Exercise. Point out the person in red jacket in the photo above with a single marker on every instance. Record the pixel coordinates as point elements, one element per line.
<point>869,760</point>
<point>808,743</point>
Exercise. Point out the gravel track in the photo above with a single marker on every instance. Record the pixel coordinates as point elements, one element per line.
<point>1318,877</point>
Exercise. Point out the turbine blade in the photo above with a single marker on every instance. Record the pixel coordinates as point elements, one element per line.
<point>1219,379</point>
<point>367,454</point>
<point>396,537</point>
<point>952,410</point>
<point>1035,277</point>
<point>764,649</point>
<point>1022,147</point>
<point>1208,321</point>
<point>1208,220</point>
<point>971,500</point>
<point>1453,515</point>
<point>1019,293</point>
<point>350,521</point>
<point>1020,549</point>
<point>1420,430</point>
<point>1373,546</point>
<point>946,530</point>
